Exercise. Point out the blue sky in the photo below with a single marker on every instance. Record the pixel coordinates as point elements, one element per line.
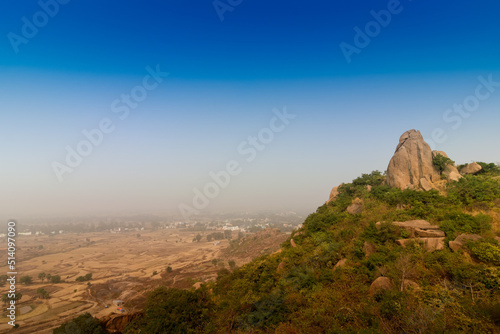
<point>225,78</point>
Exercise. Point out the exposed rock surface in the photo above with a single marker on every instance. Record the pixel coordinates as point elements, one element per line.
<point>356,207</point>
<point>412,163</point>
<point>451,172</point>
<point>333,194</point>
<point>381,283</point>
<point>369,248</point>
<point>340,264</point>
<point>472,168</point>
<point>457,244</point>
<point>292,243</point>
<point>422,231</point>
<point>430,244</point>
<point>115,323</point>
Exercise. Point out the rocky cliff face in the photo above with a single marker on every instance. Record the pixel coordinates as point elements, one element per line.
<point>411,166</point>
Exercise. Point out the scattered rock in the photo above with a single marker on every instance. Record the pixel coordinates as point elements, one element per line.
<point>381,283</point>
<point>410,284</point>
<point>340,264</point>
<point>368,188</point>
<point>292,243</point>
<point>429,233</point>
<point>197,285</point>
<point>281,268</point>
<point>418,228</point>
<point>457,244</point>
<point>429,244</point>
<point>369,248</point>
<point>356,207</point>
<point>411,163</point>
<point>472,168</point>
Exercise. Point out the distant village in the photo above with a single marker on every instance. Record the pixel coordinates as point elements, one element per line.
<point>285,222</point>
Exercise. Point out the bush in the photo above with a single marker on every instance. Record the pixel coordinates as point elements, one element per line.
<point>463,223</point>
<point>84,323</point>
<point>486,252</point>
<point>474,188</point>
<point>440,162</point>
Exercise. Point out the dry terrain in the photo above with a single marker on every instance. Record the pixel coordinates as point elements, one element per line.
<point>124,266</point>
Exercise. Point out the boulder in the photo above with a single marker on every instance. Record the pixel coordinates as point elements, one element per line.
<point>411,163</point>
<point>451,172</point>
<point>340,264</point>
<point>380,284</point>
<point>472,168</point>
<point>292,243</point>
<point>429,244</point>
<point>408,284</point>
<point>425,184</point>
<point>418,228</point>
<point>369,248</point>
<point>333,194</point>
<point>281,267</point>
<point>429,233</point>
<point>457,244</point>
<point>356,207</point>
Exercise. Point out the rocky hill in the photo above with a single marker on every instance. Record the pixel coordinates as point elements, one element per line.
<point>413,251</point>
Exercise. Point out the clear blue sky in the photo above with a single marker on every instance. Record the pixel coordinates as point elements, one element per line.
<point>63,67</point>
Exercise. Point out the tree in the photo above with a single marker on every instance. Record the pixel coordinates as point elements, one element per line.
<point>198,237</point>
<point>440,162</point>
<point>174,311</point>
<point>26,280</point>
<point>84,323</point>
<point>42,293</point>
<point>55,279</point>
<point>214,262</point>
<point>42,276</point>
<point>232,264</point>
<point>169,269</point>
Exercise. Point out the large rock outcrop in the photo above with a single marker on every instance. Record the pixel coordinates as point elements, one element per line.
<point>411,166</point>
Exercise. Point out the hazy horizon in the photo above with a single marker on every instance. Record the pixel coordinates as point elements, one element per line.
<point>279,70</point>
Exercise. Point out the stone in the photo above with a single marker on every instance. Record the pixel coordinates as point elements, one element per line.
<point>333,194</point>
<point>409,284</point>
<point>281,268</point>
<point>356,207</point>
<point>425,185</point>
<point>340,264</point>
<point>412,162</point>
<point>429,244</point>
<point>380,284</point>
<point>369,248</point>
<point>429,233</point>
<point>292,243</point>
<point>457,244</point>
<point>451,172</point>
<point>472,168</point>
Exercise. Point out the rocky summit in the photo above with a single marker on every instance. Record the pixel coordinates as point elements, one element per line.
<point>411,166</point>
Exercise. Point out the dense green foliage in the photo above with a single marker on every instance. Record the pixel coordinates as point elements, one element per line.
<point>301,290</point>
<point>83,324</point>
<point>440,162</point>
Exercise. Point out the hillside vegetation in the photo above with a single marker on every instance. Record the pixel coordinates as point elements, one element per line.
<point>301,290</point>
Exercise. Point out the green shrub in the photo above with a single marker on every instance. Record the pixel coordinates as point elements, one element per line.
<point>440,162</point>
<point>486,252</point>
